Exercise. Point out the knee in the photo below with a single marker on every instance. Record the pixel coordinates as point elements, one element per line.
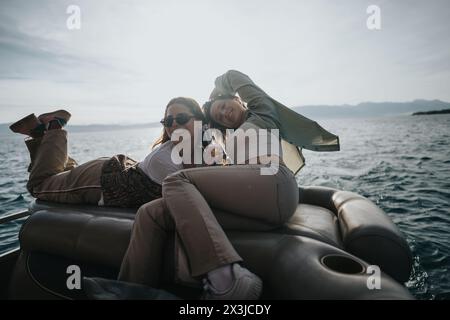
<point>288,197</point>
<point>153,213</point>
<point>148,211</point>
<point>174,183</point>
<point>175,177</point>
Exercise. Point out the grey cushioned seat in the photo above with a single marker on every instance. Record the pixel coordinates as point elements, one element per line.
<point>327,222</point>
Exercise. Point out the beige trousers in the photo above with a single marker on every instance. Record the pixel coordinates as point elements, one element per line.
<point>54,178</point>
<point>199,204</point>
<point>143,259</point>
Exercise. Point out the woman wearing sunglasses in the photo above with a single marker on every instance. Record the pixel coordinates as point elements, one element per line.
<point>117,181</point>
<point>194,200</point>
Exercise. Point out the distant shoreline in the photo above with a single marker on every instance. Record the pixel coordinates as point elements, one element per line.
<point>422,113</point>
<point>314,112</point>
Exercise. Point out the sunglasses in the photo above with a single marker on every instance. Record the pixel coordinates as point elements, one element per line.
<point>181,118</point>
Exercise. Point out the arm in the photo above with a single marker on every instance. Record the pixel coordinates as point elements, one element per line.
<point>257,100</point>
<point>234,81</point>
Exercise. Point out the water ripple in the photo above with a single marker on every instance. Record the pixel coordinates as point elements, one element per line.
<point>400,163</point>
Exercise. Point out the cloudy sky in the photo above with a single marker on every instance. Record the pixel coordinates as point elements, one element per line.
<point>131,57</point>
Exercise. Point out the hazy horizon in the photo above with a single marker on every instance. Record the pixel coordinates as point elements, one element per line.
<point>366,109</point>
<point>131,57</point>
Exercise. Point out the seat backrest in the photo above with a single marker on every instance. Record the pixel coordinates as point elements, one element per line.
<point>38,205</point>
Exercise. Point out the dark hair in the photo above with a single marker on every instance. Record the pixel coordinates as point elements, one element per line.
<point>207,111</point>
<point>193,107</point>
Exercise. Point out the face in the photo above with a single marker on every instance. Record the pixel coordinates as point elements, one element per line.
<point>229,113</point>
<point>175,109</point>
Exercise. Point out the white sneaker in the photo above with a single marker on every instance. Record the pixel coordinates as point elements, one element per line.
<point>246,286</point>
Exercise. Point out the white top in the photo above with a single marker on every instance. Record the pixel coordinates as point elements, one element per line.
<point>264,144</point>
<point>158,164</point>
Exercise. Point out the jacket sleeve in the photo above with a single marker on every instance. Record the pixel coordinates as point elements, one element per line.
<point>294,128</point>
<point>259,102</point>
<point>234,81</point>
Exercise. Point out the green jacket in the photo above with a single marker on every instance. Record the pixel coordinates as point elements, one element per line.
<point>267,113</point>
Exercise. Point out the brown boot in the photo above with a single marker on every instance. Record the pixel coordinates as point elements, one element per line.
<point>30,125</point>
<point>62,116</point>
<point>32,146</point>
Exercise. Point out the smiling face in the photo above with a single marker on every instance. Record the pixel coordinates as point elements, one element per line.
<point>228,112</point>
<point>175,109</point>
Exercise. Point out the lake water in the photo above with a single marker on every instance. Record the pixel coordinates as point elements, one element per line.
<point>401,163</point>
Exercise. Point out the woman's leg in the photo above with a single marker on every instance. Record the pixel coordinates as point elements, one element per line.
<point>192,194</point>
<point>143,260</point>
<point>49,181</point>
<point>33,145</point>
<point>144,257</point>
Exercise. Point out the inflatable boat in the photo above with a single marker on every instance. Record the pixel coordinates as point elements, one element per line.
<point>330,249</point>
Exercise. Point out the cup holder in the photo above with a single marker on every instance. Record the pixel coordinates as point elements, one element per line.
<point>342,264</point>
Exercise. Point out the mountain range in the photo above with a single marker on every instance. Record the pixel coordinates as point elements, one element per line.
<point>371,109</point>
<point>361,110</point>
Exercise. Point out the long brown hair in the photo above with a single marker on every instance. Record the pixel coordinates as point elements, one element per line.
<point>193,107</point>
